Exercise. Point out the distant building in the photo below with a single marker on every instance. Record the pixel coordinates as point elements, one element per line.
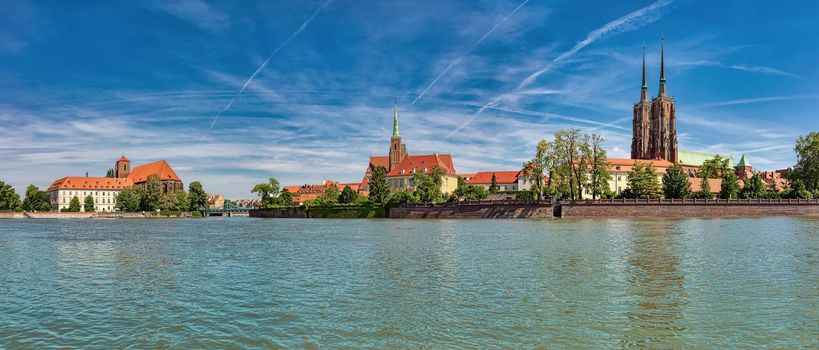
<point>507,180</point>
<point>170,182</point>
<point>400,165</point>
<point>216,201</point>
<point>655,123</point>
<point>247,203</point>
<point>104,190</point>
<point>307,192</point>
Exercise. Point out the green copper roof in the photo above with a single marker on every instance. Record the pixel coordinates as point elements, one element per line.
<point>395,120</point>
<point>697,158</point>
<point>743,162</point>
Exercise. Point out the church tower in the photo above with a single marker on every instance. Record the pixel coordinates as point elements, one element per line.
<point>397,149</point>
<point>123,168</point>
<point>640,125</point>
<point>663,126</point>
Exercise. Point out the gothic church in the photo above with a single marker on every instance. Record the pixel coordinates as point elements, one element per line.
<point>655,123</point>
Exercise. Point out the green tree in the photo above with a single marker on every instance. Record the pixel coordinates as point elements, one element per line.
<point>379,188</point>
<point>535,169</point>
<point>807,161</point>
<point>182,203</point>
<point>569,166</point>
<point>74,206</point>
<point>267,192</point>
<point>347,195</point>
<point>493,185</point>
<point>9,200</point>
<point>197,197</point>
<point>151,193</point>
<point>715,168</point>
<point>754,188</point>
<point>328,198</point>
<point>675,183</point>
<point>428,186</point>
<point>285,198</point>
<point>168,201</point>
<point>643,182</point>
<point>88,206</point>
<point>705,190</point>
<point>401,197</point>
<point>468,192</point>
<point>599,174</point>
<point>525,195</point>
<point>36,200</point>
<point>128,200</point>
<point>798,190</point>
<point>730,186</point>
<point>110,173</point>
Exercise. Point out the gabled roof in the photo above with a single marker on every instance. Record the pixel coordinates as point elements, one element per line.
<point>162,168</point>
<point>715,185</point>
<point>90,183</point>
<point>423,164</point>
<point>380,161</point>
<point>123,159</point>
<point>502,177</point>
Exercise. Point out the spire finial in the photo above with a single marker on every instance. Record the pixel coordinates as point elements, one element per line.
<point>644,91</point>
<point>395,118</point>
<point>662,65</point>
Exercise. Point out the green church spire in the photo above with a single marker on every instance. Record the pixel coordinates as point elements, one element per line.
<point>395,119</point>
<point>743,162</point>
<point>644,92</point>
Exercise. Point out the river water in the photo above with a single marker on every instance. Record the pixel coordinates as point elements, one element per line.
<point>290,283</point>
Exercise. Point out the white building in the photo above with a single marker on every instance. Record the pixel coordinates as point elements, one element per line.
<point>104,190</point>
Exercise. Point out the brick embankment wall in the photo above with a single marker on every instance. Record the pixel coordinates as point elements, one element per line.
<point>279,213</point>
<point>58,215</point>
<point>690,208</point>
<point>11,215</point>
<point>475,210</point>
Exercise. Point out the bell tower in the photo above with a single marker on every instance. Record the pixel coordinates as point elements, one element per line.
<point>663,126</point>
<point>397,149</point>
<point>123,168</point>
<point>642,118</point>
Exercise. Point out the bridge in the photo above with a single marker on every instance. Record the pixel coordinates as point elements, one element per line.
<point>229,209</point>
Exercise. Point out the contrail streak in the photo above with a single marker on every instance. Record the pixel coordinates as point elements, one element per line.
<point>461,57</point>
<point>626,23</point>
<point>264,63</point>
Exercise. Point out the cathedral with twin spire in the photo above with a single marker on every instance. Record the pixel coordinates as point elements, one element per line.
<point>655,123</point>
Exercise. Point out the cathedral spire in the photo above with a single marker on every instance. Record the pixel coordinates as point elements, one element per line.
<point>644,92</point>
<point>662,66</point>
<point>395,119</point>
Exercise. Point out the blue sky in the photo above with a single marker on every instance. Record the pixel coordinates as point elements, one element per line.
<point>83,82</point>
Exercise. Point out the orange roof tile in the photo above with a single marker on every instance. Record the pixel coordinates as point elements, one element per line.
<point>625,165</point>
<point>714,184</point>
<point>502,177</point>
<point>162,168</point>
<point>90,183</point>
<point>123,159</point>
<point>423,163</point>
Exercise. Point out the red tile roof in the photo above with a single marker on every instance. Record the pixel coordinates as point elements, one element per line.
<point>423,163</point>
<point>123,159</point>
<point>90,183</point>
<point>162,168</point>
<point>625,165</point>
<point>715,185</point>
<point>502,177</point>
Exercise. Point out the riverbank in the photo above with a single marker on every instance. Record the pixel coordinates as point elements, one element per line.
<point>515,209</point>
<point>86,215</point>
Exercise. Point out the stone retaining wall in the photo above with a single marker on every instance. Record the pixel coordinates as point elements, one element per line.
<point>475,210</point>
<point>58,215</point>
<point>690,208</point>
<point>11,215</point>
